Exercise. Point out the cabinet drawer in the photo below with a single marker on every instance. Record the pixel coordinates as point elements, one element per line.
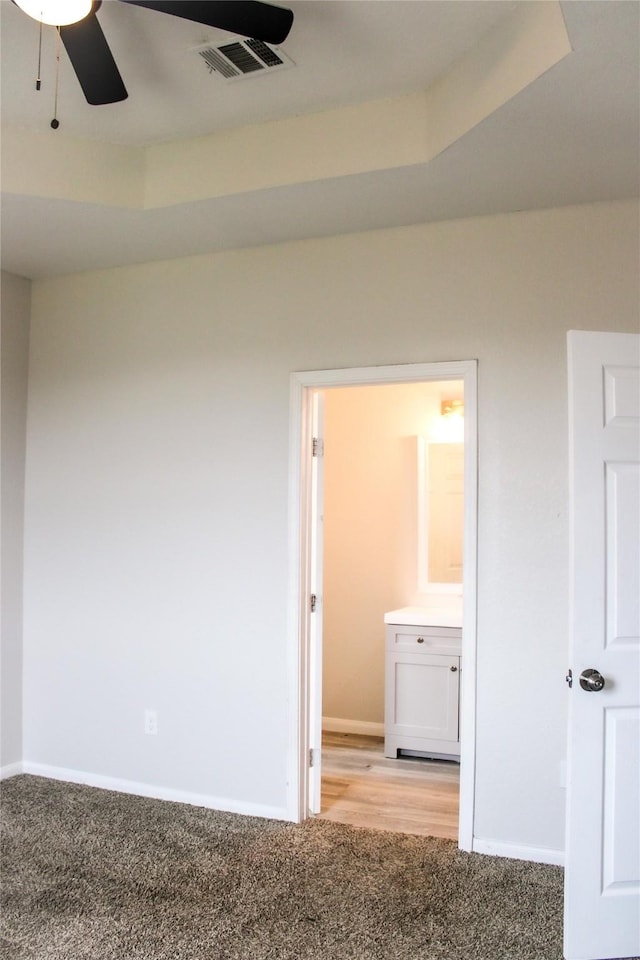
<point>446,641</point>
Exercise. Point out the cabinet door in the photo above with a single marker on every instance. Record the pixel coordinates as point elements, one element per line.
<point>422,696</point>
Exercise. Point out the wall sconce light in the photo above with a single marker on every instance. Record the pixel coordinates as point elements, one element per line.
<point>450,408</point>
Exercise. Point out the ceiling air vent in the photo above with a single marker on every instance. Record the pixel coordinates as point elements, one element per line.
<point>238,58</point>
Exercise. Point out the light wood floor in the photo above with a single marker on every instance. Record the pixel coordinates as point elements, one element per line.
<point>362,787</point>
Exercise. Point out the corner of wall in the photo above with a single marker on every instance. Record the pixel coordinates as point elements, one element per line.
<point>16,310</point>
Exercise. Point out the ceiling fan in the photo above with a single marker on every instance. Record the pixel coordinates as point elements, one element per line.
<point>89,51</point>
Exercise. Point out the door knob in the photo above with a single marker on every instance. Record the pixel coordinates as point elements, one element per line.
<point>591,680</point>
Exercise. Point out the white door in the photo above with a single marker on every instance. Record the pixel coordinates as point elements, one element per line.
<point>602,875</point>
<point>315,606</point>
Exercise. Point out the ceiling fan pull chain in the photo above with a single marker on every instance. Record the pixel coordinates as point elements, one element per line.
<point>55,123</point>
<point>38,78</point>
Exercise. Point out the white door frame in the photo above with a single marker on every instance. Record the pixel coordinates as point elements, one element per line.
<point>299,673</point>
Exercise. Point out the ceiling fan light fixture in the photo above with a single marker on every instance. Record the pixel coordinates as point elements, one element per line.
<point>57,13</point>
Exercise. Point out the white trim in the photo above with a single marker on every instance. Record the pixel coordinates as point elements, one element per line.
<point>297,772</point>
<point>519,851</point>
<point>398,373</point>
<point>367,728</point>
<point>153,791</point>
<point>469,610</point>
<point>11,770</point>
<point>301,384</point>
<point>422,513</point>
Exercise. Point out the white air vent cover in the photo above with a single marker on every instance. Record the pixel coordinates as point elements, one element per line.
<point>238,57</point>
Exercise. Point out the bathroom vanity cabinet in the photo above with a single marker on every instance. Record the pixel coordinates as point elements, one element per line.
<point>422,683</point>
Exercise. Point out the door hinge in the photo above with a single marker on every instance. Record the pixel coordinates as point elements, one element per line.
<point>310,756</point>
<point>313,600</point>
<point>317,447</point>
<point>313,756</point>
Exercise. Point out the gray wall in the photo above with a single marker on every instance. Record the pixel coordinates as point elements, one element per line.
<point>16,298</point>
<point>156,555</point>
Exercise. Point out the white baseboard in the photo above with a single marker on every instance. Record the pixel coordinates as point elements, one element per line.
<point>366,728</point>
<point>155,792</point>
<point>492,848</point>
<point>11,770</point>
<point>516,851</point>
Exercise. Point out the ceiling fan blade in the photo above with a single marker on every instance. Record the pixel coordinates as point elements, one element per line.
<point>93,61</point>
<point>250,18</point>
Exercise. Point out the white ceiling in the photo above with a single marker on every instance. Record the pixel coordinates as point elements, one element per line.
<point>571,136</point>
<point>345,51</point>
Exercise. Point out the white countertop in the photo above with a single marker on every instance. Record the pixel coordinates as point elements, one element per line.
<point>431,616</point>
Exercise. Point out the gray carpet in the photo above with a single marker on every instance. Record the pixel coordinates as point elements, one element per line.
<point>91,874</point>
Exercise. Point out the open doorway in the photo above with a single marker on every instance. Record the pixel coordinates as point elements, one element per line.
<point>393,491</point>
<point>306,592</point>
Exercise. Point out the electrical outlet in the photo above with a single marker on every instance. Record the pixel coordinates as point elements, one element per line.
<point>151,722</point>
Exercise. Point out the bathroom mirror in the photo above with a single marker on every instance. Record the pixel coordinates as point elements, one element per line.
<point>440,516</point>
